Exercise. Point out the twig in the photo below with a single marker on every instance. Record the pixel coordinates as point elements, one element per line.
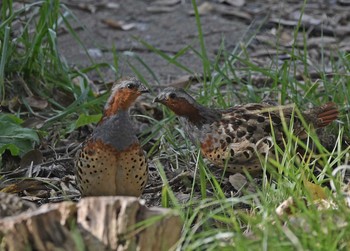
<point>171,182</point>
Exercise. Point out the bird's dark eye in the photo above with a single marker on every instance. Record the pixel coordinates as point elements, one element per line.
<point>131,86</point>
<point>172,95</point>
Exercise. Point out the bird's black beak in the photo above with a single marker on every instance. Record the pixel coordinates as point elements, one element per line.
<point>143,89</point>
<point>161,98</point>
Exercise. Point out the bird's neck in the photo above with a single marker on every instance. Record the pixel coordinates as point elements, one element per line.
<point>116,107</point>
<point>115,104</point>
<point>199,115</point>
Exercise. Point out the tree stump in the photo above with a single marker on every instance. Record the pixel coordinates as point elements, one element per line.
<point>94,223</point>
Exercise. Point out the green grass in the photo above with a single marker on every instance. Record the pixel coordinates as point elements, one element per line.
<point>30,65</point>
<point>218,223</point>
<point>213,220</point>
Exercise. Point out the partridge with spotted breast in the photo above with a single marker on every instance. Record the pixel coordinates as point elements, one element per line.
<point>233,138</point>
<point>111,161</point>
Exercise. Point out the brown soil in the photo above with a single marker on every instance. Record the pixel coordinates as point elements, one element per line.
<point>170,27</point>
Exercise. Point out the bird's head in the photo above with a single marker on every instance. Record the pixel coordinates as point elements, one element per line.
<point>180,102</point>
<point>123,94</point>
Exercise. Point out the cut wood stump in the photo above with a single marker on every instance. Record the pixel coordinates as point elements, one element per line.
<point>94,223</point>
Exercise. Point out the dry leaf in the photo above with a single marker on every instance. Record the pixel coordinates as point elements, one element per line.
<point>166,2</point>
<point>239,182</point>
<point>33,122</point>
<point>32,157</point>
<point>118,24</point>
<point>95,52</point>
<point>286,207</point>
<point>36,102</point>
<point>92,8</point>
<point>233,12</point>
<point>316,191</point>
<point>26,184</point>
<point>87,7</point>
<point>35,195</point>
<point>112,5</point>
<point>204,9</point>
<point>236,3</point>
<point>63,97</point>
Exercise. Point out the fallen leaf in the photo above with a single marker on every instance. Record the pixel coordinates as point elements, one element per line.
<point>238,181</point>
<point>36,194</point>
<point>36,102</point>
<point>63,97</point>
<point>166,2</point>
<point>112,5</point>
<point>92,8</point>
<point>87,7</point>
<point>286,208</point>
<point>33,157</point>
<point>33,123</point>
<point>182,197</point>
<point>236,3</point>
<point>95,52</point>
<point>204,9</point>
<point>25,184</point>
<point>233,12</point>
<point>316,191</point>
<point>118,24</point>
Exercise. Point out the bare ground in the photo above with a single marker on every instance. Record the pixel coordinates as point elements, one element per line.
<point>170,26</point>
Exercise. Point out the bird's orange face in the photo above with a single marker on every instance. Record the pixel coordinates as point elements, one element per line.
<point>177,101</point>
<point>179,106</point>
<point>124,93</point>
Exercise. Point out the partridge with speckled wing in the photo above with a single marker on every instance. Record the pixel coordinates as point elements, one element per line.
<point>234,137</point>
<point>111,161</point>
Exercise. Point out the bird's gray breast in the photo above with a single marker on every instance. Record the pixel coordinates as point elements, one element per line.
<point>117,131</point>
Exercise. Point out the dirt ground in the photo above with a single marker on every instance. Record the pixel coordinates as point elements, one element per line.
<point>169,26</point>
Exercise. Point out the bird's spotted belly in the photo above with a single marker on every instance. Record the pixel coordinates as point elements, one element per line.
<point>102,171</point>
<point>234,157</point>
